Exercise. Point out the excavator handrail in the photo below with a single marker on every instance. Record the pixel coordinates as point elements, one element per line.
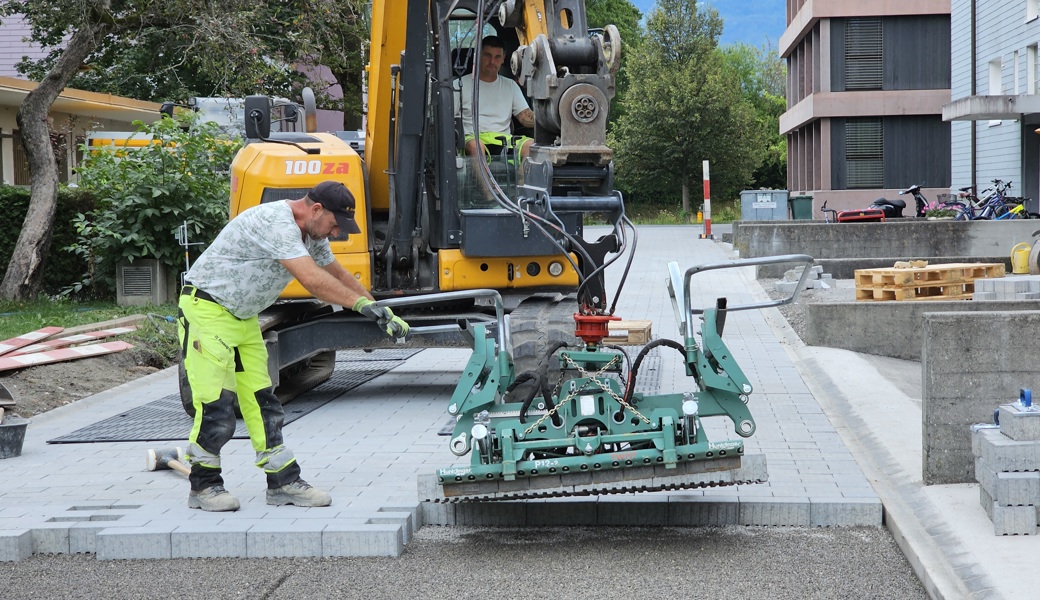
<point>680,295</point>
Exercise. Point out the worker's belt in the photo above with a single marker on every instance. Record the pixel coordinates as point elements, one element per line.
<point>190,290</point>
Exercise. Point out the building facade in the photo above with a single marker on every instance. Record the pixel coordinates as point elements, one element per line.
<point>995,112</point>
<point>866,85</point>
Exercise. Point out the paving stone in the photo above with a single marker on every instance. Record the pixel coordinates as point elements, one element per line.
<point>554,512</point>
<point>50,538</point>
<point>276,539</point>
<point>504,514</point>
<point>209,540</point>
<point>847,512</point>
<point>632,511</point>
<point>149,542</point>
<point>344,539</point>
<point>1006,454</point>
<point>1014,520</point>
<point>1018,423</point>
<point>15,545</point>
<point>778,511</point>
<point>697,511</point>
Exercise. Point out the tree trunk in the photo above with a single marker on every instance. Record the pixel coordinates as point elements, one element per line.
<point>686,197</point>
<point>25,270</point>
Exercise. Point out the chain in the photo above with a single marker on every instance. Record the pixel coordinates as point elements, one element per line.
<point>583,373</point>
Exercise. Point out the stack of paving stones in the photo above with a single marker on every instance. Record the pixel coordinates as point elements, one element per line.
<point>817,279</point>
<point>1007,467</point>
<point>1018,287</point>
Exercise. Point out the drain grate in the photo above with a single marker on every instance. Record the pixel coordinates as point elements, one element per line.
<point>165,419</point>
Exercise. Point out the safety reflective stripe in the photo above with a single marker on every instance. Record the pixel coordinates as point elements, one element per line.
<point>197,455</point>
<point>275,459</point>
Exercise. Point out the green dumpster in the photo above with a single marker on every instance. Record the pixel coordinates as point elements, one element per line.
<point>801,207</point>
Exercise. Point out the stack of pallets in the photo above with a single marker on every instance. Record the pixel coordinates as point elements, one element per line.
<point>955,281</point>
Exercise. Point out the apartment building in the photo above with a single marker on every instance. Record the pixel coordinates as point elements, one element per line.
<point>867,82</point>
<point>995,112</point>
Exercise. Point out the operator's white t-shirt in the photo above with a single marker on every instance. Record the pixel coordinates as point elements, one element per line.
<point>240,269</point>
<point>499,102</point>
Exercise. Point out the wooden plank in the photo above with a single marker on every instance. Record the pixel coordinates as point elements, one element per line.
<point>28,338</point>
<point>120,322</point>
<point>71,340</point>
<point>8,363</point>
<point>628,332</point>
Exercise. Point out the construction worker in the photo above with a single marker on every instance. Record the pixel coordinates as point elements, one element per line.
<point>245,269</point>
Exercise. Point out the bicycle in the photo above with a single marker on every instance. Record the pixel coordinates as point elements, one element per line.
<point>993,206</point>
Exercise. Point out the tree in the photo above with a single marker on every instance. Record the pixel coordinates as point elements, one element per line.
<point>685,107</point>
<point>763,78</point>
<point>173,46</point>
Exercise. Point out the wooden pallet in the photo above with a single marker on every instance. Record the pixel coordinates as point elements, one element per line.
<point>954,281</point>
<point>628,332</point>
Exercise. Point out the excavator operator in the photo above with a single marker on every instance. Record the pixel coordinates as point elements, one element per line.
<point>500,99</point>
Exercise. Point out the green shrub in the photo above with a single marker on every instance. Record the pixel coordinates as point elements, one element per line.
<point>145,194</point>
<point>63,267</point>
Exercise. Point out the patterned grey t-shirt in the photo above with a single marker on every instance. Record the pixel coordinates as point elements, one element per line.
<point>241,269</point>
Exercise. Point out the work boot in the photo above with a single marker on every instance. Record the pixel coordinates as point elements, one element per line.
<point>298,493</point>
<point>213,499</point>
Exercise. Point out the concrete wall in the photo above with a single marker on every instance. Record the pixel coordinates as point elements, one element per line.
<point>893,329</point>
<point>972,362</point>
<point>891,239</point>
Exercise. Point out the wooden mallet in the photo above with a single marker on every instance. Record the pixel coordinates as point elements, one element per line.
<point>166,458</point>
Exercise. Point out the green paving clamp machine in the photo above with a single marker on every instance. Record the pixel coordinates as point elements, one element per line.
<point>583,429</point>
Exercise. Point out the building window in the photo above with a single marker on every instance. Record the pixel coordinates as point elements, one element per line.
<point>863,54</point>
<point>1031,9</point>
<point>864,153</point>
<point>1031,69</point>
<point>995,83</point>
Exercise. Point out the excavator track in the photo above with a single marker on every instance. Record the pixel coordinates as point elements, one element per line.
<point>720,472</point>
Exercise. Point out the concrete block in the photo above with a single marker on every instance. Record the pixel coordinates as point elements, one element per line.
<point>554,512</point>
<point>362,540</point>
<point>81,536</point>
<point>696,511</point>
<point>210,540</point>
<point>986,285</point>
<point>845,512</point>
<point>775,511</point>
<point>148,542</point>
<point>786,287</point>
<point>15,545</point>
<point>50,538</point>
<point>1019,423</point>
<point>1006,454</point>
<point>987,502</point>
<point>635,511</point>
<point>438,513</point>
<point>502,514</point>
<point>404,518</point>
<point>281,538</point>
<point>1027,296</point>
<point>978,296</point>
<point>1014,520</point>
<point>1013,489</point>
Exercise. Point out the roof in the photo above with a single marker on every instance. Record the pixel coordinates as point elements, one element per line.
<point>79,102</point>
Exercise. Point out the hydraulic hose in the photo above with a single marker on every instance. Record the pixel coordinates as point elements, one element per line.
<point>631,385</point>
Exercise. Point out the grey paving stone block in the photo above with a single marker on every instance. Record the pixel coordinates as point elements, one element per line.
<point>1014,520</point>
<point>148,542</point>
<point>282,538</point>
<point>978,296</point>
<point>210,540</point>
<point>344,539</point>
<point>696,511</point>
<point>845,512</point>
<point>50,538</point>
<point>1019,423</point>
<point>546,513</point>
<point>15,545</point>
<point>786,287</point>
<point>1027,296</point>
<point>1016,488</point>
<point>985,285</point>
<point>775,511</point>
<point>1006,454</point>
<point>438,513</point>
<point>81,536</point>
<point>634,511</point>
<point>415,509</point>
<point>405,519</point>
<point>987,502</point>
<point>503,514</point>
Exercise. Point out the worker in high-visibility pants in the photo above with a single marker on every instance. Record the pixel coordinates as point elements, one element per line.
<point>245,269</point>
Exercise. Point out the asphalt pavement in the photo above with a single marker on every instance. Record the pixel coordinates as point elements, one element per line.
<point>842,442</point>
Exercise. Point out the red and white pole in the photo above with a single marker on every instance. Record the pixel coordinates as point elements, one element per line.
<point>707,204</point>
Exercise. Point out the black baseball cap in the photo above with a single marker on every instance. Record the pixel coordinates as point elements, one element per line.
<point>334,197</point>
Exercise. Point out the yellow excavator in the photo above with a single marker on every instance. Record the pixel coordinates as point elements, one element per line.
<point>491,254</point>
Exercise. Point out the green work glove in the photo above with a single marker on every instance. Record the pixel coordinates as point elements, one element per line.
<point>395,326</point>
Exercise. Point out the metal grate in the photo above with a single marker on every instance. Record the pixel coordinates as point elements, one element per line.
<point>164,419</point>
<point>137,281</point>
<point>863,54</point>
